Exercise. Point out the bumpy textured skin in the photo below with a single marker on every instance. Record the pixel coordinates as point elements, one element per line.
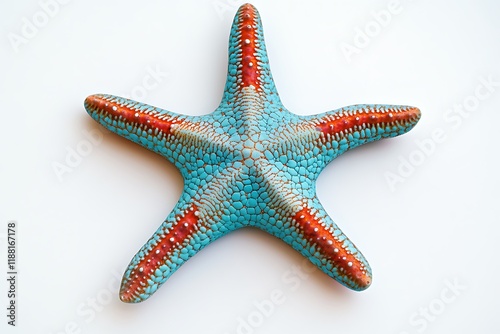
<point>249,163</point>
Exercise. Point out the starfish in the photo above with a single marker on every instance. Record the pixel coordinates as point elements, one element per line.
<point>251,162</point>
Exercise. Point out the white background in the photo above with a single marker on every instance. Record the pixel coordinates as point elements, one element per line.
<point>436,226</point>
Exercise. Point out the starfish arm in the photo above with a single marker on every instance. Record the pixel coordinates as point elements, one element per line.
<point>340,130</point>
<point>178,238</point>
<point>319,239</point>
<point>195,222</point>
<point>146,125</point>
<point>160,131</point>
<point>298,218</point>
<point>248,63</point>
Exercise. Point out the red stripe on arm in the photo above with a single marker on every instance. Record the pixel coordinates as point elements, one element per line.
<point>186,224</point>
<point>249,71</point>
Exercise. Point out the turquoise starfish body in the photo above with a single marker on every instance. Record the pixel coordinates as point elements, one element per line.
<point>249,163</point>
